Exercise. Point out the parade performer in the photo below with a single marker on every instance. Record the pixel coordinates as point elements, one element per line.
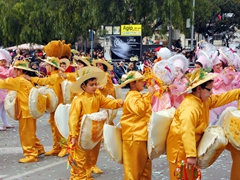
<point>165,71</point>
<point>5,72</point>
<point>108,89</point>
<point>192,118</point>
<point>53,50</point>
<point>134,122</point>
<point>181,63</point>
<point>31,145</point>
<point>86,102</point>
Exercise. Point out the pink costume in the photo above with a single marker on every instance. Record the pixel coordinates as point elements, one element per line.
<point>4,73</point>
<point>222,83</point>
<point>166,72</point>
<point>179,85</point>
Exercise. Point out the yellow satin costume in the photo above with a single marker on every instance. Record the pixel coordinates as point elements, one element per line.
<point>108,89</point>
<point>53,81</point>
<point>86,103</point>
<point>190,120</point>
<point>27,125</point>
<point>134,122</point>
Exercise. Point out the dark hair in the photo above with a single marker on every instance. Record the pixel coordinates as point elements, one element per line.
<point>203,85</point>
<point>105,67</point>
<point>200,64</point>
<point>30,73</point>
<point>86,81</point>
<point>79,61</point>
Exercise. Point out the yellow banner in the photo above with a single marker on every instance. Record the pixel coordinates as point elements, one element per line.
<point>131,30</point>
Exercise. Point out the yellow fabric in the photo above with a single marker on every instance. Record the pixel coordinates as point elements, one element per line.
<point>135,116</point>
<point>136,164</point>
<point>94,154</point>
<point>83,162</point>
<point>189,122</point>
<point>235,162</point>
<point>23,87</point>
<point>86,103</point>
<point>71,76</point>
<point>53,81</point>
<point>28,139</point>
<point>108,89</point>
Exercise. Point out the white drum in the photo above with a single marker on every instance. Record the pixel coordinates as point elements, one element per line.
<point>36,103</point>
<point>11,105</point>
<point>113,142</point>
<point>61,117</point>
<point>91,130</point>
<point>231,126</point>
<point>52,99</point>
<point>118,91</point>
<point>211,146</point>
<point>158,130</point>
<point>67,94</point>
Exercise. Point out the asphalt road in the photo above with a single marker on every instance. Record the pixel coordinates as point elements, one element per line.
<point>55,168</point>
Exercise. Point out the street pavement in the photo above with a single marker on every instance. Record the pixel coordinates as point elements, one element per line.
<point>55,168</point>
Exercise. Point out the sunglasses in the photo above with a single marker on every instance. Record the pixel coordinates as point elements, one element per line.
<point>208,89</point>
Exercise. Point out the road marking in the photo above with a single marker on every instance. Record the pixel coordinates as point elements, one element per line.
<point>61,161</point>
<point>17,150</point>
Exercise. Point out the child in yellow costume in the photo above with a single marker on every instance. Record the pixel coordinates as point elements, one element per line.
<point>86,102</point>
<point>191,119</point>
<point>107,89</point>
<point>31,145</point>
<point>134,122</point>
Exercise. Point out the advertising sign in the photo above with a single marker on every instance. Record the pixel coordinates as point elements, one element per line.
<point>131,30</point>
<point>122,48</point>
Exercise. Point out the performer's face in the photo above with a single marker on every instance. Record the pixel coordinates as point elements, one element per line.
<point>139,85</point>
<point>100,66</point>
<point>90,87</point>
<point>3,63</point>
<point>206,92</point>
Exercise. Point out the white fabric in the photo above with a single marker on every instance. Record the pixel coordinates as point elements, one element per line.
<point>36,103</point>
<point>11,105</point>
<point>113,142</point>
<point>66,86</point>
<point>231,126</point>
<point>52,99</point>
<point>118,91</point>
<point>158,128</point>
<point>211,146</point>
<point>61,117</point>
<point>91,130</point>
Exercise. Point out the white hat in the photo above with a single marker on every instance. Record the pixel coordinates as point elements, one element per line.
<point>215,59</point>
<point>5,55</point>
<point>226,55</point>
<point>180,61</point>
<point>204,59</point>
<point>164,53</point>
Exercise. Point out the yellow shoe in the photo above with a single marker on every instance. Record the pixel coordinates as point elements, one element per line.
<point>89,173</point>
<point>28,159</point>
<point>96,170</point>
<point>41,152</point>
<point>52,152</point>
<point>63,152</point>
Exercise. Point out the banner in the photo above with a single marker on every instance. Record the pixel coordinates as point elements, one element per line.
<point>122,48</point>
<point>131,30</point>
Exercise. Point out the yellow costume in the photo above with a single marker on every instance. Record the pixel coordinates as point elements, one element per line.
<point>86,103</point>
<point>27,125</point>
<point>108,89</point>
<point>190,120</point>
<point>134,122</point>
<point>54,82</point>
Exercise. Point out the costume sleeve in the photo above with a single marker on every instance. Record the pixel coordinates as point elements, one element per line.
<point>138,106</point>
<point>217,83</point>
<point>51,80</point>
<point>224,98</point>
<point>109,103</point>
<point>10,84</point>
<point>75,118</point>
<point>108,88</point>
<point>71,76</point>
<point>188,121</point>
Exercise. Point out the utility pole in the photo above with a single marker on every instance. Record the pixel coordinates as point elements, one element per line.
<point>192,27</point>
<point>170,29</point>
